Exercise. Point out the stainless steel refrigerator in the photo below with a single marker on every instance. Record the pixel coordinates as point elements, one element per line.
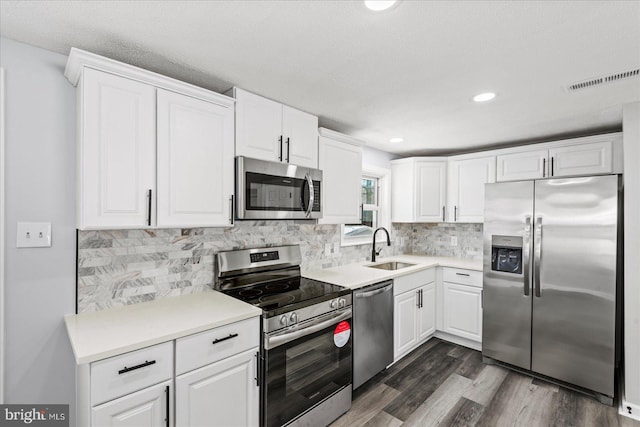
<point>550,290</point>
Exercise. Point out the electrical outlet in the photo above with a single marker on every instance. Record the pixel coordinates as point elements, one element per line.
<point>336,247</point>
<point>454,240</point>
<point>33,235</point>
<point>327,249</point>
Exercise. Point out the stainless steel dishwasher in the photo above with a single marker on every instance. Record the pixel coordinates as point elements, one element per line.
<point>372,331</point>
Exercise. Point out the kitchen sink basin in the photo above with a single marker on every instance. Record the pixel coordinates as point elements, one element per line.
<point>391,265</point>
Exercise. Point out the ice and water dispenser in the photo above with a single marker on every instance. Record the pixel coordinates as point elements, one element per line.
<point>506,254</point>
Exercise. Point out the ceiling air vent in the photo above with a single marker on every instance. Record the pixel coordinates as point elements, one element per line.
<point>602,80</point>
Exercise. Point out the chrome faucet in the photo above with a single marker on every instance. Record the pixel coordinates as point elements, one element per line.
<point>373,247</point>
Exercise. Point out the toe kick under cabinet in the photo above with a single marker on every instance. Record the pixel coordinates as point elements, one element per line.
<point>206,379</point>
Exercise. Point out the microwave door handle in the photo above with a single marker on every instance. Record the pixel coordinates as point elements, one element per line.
<point>311,196</point>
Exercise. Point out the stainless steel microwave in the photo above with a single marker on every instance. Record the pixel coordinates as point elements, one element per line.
<point>274,190</point>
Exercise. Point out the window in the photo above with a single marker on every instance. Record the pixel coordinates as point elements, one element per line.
<point>372,209</point>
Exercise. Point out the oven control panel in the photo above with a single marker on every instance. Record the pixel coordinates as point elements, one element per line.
<point>292,318</point>
<point>264,256</point>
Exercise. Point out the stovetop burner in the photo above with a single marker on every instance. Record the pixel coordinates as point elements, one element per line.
<point>284,295</point>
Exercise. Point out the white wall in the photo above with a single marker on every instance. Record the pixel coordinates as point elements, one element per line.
<point>40,177</point>
<point>631,129</point>
<point>375,157</point>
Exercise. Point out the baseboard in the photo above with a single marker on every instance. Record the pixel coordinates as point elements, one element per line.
<point>627,409</point>
<point>459,340</point>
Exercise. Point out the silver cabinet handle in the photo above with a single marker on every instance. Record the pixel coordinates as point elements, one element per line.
<point>418,298</point>
<point>443,214</point>
<point>537,242</point>
<point>311,195</point>
<point>455,213</point>
<point>526,254</point>
<point>544,167</point>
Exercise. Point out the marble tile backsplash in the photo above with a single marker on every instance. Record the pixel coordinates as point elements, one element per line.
<point>121,267</point>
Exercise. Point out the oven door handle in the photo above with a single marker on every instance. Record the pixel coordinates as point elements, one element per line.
<point>306,329</point>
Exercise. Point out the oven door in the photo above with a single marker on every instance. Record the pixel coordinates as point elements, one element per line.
<point>271,190</point>
<point>305,364</point>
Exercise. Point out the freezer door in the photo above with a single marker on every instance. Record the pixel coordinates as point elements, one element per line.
<point>506,322</point>
<point>574,303</point>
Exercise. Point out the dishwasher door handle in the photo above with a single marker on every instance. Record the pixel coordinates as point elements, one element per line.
<point>375,292</point>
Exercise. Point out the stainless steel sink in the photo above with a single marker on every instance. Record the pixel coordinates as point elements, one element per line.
<point>391,265</point>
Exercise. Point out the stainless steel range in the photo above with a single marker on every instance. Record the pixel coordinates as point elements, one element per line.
<point>306,350</point>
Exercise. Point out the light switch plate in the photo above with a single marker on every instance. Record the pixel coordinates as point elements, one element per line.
<point>33,235</point>
<point>327,249</point>
<point>454,240</point>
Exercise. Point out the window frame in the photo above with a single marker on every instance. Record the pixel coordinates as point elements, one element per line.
<point>383,199</point>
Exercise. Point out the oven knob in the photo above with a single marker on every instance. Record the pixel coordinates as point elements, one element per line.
<point>333,303</point>
<point>293,318</point>
<point>342,303</point>
<point>283,320</point>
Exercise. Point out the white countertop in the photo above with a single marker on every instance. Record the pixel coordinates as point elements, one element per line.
<point>357,275</point>
<point>101,334</point>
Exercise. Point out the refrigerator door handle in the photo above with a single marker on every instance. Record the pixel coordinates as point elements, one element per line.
<point>526,255</point>
<point>537,243</point>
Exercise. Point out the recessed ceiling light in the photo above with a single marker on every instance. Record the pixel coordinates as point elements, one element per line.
<point>379,5</point>
<point>484,97</point>
<point>396,139</point>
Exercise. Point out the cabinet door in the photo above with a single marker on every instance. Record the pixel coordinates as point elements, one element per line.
<point>462,311</point>
<point>258,127</point>
<point>300,133</point>
<point>222,393</point>
<point>431,191</point>
<point>405,336</point>
<point>525,165</point>
<point>144,408</point>
<point>341,165</point>
<point>195,162</point>
<point>116,152</point>
<point>466,188</point>
<point>583,159</point>
<point>427,312</point>
<point>402,192</point>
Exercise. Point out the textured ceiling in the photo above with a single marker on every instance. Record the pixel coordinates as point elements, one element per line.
<point>408,72</point>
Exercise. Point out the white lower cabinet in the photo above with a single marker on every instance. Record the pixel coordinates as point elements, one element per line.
<point>462,303</point>
<point>150,407</point>
<point>224,393</point>
<point>211,378</point>
<point>414,311</point>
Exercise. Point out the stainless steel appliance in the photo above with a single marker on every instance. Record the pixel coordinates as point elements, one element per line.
<point>306,351</point>
<point>274,190</point>
<point>550,284</point>
<point>372,331</point>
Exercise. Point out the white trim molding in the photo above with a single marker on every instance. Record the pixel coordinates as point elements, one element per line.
<point>78,59</point>
<point>2,230</point>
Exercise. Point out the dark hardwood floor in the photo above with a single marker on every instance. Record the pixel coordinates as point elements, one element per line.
<point>448,385</point>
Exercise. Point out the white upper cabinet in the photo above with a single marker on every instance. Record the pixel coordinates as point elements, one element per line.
<point>122,127</point>
<point>419,189</point>
<point>465,185</point>
<point>195,161</point>
<point>583,159</point>
<point>340,159</point>
<point>593,155</point>
<point>116,151</point>
<point>268,130</point>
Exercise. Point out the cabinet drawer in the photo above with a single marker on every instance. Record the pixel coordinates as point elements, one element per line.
<point>463,277</point>
<point>216,344</point>
<point>412,281</point>
<point>120,375</point>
